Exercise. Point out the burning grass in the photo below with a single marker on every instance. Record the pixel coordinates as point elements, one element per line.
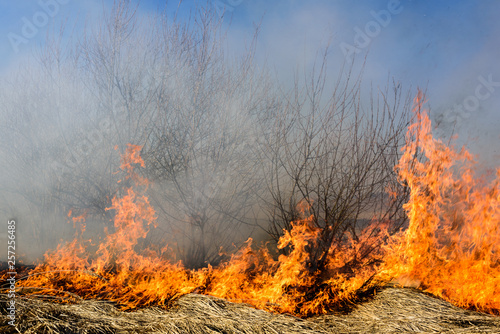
<point>450,249</point>
<point>452,244</point>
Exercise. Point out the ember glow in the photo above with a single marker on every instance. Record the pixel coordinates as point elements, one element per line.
<point>451,247</point>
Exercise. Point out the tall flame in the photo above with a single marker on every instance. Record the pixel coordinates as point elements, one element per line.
<point>452,244</point>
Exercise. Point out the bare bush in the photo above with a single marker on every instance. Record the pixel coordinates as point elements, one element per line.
<point>200,150</point>
<point>337,156</point>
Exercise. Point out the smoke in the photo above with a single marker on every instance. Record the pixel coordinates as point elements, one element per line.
<point>62,117</point>
<point>160,84</point>
<point>443,48</point>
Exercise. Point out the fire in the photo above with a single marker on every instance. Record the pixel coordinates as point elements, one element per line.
<point>452,244</point>
<point>119,272</point>
<point>450,248</point>
<point>288,285</point>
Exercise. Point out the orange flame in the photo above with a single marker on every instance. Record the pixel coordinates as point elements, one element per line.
<point>452,244</point>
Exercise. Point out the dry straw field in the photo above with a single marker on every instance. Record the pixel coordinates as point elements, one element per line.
<point>389,310</point>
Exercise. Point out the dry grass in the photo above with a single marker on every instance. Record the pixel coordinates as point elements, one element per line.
<point>392,310</point>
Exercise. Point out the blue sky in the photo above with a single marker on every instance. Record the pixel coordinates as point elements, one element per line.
<point>449,47</point>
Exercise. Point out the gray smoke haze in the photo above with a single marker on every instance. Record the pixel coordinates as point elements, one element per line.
<point>444,47</point>
<point>61,118</point>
